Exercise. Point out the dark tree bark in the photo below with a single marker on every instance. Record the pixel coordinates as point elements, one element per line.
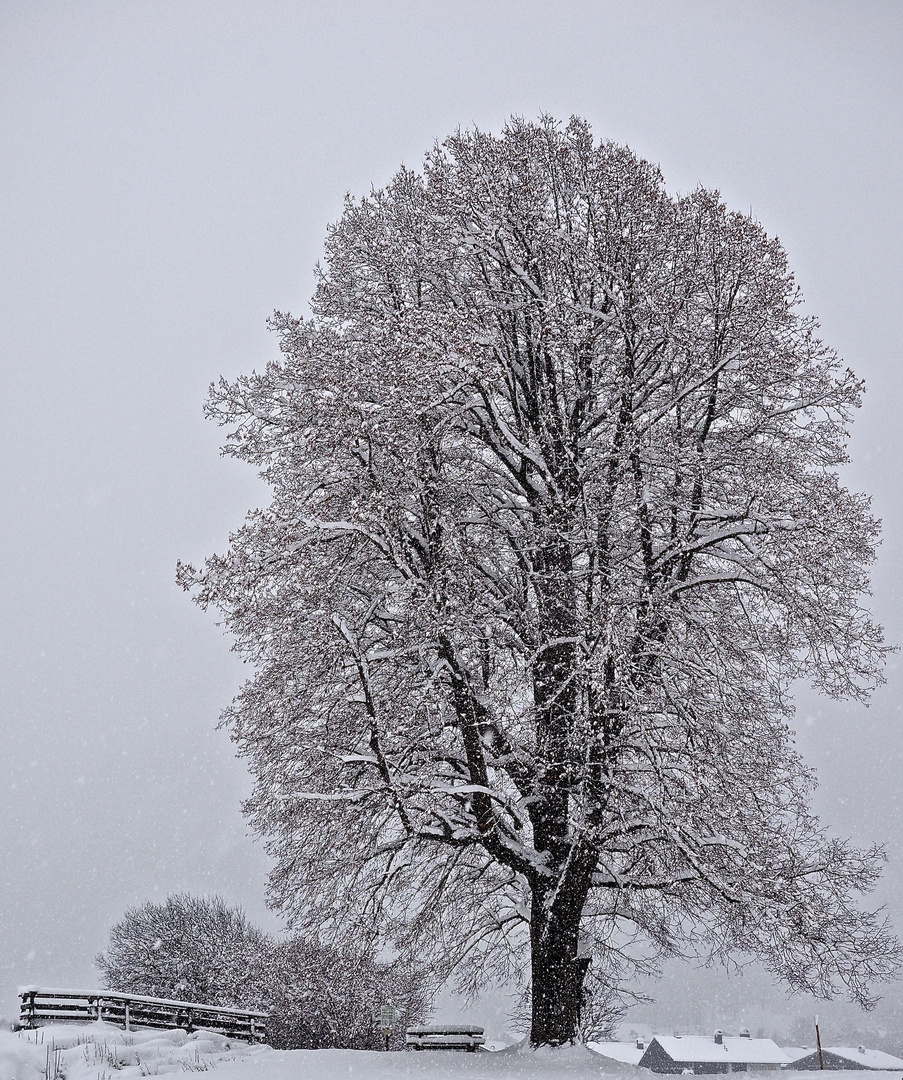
<point>557,972</point>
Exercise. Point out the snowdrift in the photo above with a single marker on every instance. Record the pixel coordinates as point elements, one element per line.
<point>104,1052</point>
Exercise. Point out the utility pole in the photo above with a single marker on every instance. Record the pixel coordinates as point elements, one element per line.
<point>821,1060</point>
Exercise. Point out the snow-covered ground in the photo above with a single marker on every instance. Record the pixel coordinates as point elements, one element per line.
<point>104,1052</point>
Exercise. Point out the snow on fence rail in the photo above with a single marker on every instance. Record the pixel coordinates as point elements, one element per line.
<point>40,1006</point>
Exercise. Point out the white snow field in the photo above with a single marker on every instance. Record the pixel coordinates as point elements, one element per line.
<point>104,1052</point>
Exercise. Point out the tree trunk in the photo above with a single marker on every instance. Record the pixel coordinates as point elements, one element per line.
<point>557,974</point>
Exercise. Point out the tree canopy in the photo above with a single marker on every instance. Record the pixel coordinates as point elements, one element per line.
<point>555,524</point>
<point>188,948</point>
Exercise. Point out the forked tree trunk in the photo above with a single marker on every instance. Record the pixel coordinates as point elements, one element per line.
<point>557,975</point>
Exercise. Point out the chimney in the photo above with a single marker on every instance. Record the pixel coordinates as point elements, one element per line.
<point>719,1036</point>
<point>744,1033</point>
<point>640,1045</point>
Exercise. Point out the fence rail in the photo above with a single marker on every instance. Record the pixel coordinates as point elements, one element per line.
<point>40,1006</point>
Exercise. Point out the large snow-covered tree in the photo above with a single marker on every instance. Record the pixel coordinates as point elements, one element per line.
<point>556,522</point>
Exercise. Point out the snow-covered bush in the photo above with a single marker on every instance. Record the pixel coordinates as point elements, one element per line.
<point>191,948</point>
<point>198,948</point>
<point>322,996</point>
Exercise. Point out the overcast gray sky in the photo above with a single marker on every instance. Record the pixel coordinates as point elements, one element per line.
<point>167,170</point>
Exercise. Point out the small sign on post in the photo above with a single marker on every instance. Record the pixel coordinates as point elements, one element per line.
<point>388,1014</point>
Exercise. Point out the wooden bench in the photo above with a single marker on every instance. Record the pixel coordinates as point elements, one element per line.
<point>444,1037</point>
<point>39,1006</point>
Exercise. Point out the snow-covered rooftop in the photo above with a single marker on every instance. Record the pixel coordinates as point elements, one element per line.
<point>865,1058</point>
<point>628,1052</point>
<point>731,1049</point>
<point>859,1056</point>
<point>795,1053</point>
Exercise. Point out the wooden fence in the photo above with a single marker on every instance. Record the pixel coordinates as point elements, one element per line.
<point>39,1007</point>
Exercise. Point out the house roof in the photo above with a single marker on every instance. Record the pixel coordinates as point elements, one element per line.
<point>731,1049</point>
<point>628,1052</point>
<point>862,1056</point>
<point>796,1053</point>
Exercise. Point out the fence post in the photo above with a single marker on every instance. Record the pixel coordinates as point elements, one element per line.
<point>235,1023</point>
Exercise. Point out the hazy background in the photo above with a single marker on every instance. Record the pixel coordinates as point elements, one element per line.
<point>167,171</point>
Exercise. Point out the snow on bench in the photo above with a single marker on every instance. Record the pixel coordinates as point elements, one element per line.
<point>444,1037</point>
<point>40,1006</point>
